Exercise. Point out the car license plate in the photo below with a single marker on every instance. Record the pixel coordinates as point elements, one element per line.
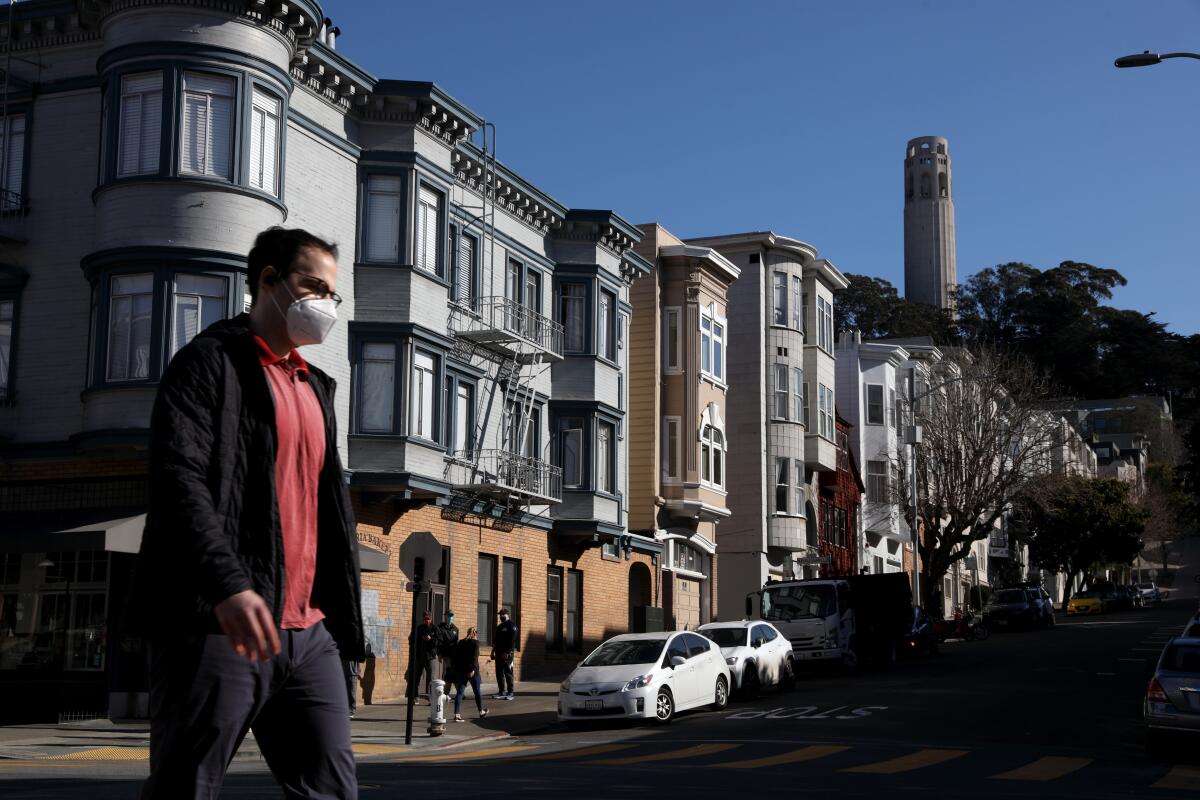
<point>593,705</point>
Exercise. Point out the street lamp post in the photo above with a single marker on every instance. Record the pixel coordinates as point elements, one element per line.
<point>1146,59</point>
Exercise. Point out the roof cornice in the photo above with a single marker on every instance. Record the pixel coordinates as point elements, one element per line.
<point>606,228</point>
<point>825,269</point>
<point>708,255</point>
<point>513,193</point>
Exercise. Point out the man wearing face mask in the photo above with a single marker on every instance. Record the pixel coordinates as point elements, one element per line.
<point>247,585</point>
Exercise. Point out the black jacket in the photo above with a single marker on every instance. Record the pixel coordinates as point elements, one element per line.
<point>505,640</point>
<point>212,528</point>
<point>465,657</point>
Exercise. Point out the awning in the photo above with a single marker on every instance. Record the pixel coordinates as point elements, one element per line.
<point>371,560</point>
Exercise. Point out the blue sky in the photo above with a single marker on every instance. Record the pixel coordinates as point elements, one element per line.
<point>713,116</point>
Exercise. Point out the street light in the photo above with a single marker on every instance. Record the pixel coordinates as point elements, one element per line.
<point>1146,59</point>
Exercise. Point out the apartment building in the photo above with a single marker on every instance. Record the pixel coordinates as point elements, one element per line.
<point>872,394</point>
<point>481,350</point>
<point>680,440</point>
<point>781,419</point>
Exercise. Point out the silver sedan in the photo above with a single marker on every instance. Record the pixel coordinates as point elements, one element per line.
<point>1173,696</point>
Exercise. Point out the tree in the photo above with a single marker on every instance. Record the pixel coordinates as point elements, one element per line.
<point>1073,522</point>
<point>873,307</point>
<point>1167,510</point>
<point>986,438</point>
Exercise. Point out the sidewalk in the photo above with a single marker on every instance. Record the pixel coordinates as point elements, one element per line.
<point>377,730</point>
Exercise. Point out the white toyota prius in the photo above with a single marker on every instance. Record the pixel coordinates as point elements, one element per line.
<point>645,676</point>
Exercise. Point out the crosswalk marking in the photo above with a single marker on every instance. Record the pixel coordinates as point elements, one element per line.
<point>494,751</point>
<point>1044,769</point>
<point>794,757</point>
<point>595,750</point>
<point>670,755</point>
<point>917,760</point>
<point>1179,778</point>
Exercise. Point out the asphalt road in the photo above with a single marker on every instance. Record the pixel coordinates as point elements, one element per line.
<point>1035,714</point>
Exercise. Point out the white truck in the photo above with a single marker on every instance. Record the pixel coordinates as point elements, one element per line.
<point>848,619</point>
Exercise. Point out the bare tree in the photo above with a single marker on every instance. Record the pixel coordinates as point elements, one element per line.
<point>986,436</point>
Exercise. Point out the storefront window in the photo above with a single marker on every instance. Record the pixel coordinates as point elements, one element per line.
<point>53,610</point>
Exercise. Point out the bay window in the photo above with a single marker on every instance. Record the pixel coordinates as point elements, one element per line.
<point>422,421</point>
<point>573,314</point>
<point>672,342</point>
<point>798,394</point>
<point>428,225</point>
<point>801,489</point>
<point>384,200</point>
<point>781,391</point>
<point>605,326</point>
<point>670,456</point>
<point>199,301</point>
<point>712,343</point>
<point>712,457</point>
<point>782,486</point>
<point>377,388</point>
<point>131,305</point>
<point>797,307</point>
<point>571,451</point>
<point>605,458</point>
<point>779,315</point>
<point>874,402</point>
<point>877,481</point>
<point>264,141</point>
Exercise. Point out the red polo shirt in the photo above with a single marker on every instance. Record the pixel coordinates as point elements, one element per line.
<point>299,455</point>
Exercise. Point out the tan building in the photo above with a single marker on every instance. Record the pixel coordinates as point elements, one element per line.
<point>678,441</point>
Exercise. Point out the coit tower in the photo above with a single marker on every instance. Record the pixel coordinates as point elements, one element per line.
<point>929,268</point>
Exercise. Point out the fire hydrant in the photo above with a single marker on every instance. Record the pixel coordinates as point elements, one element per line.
<point>437,719</point>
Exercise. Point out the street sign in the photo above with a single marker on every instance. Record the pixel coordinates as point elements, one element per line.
<point>812,560</point>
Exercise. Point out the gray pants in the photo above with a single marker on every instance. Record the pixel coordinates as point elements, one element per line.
<point>204,698</point>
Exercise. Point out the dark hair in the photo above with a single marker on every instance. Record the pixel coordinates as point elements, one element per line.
<point>278,247</point>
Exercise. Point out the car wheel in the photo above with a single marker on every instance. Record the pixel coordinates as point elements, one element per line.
<point>789,674</point>
<point>981,631</point>
<point>720,695</point>
<point>664,706</point>
<point>850,660</point>
<point>751,685</point>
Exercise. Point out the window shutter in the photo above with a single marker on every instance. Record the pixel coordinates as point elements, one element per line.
<point>383,218</point>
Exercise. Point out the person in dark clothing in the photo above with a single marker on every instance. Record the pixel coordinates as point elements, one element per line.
<point>247,581</point>
<point>351,669</point>
<point>464,664</point>
<point>447,640</point>
<point>504,645</point>
<point>424,653</point>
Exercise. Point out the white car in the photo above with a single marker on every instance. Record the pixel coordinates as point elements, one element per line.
<point>1149,593</point>
<point>756,653</point>
<point>645,676</point>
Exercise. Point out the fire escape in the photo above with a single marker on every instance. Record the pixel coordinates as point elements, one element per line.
<point>501,476</point>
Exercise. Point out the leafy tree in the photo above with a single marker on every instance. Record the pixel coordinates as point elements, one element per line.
<point>1072,523</point>
<point>1167,507</point>
<point>873,307</point>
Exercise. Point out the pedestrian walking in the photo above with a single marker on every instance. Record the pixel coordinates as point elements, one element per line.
<point>464,664</point>
<point>447,639</point>
<point>504,645</point>
<point>350,668</point>
<point>246,618</point>
<point>425,650</point>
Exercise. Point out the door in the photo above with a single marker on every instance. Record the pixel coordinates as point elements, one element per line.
<point>679,676</point>
<point>702,677</point>
<point>687,604</point>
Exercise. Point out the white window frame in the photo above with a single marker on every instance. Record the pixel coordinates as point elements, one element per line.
<point>825,407</point>
<point>797,305</point>
<point>672,352</point>
<point>781,394</point>
<point>206,305</point>
<point>606,321</point>
<point>428,229</point>
<point>207,86</point>
<point>807,408</point>
<point>893,409</point>
<point>877,481</point>
<point>779,298</point>
<point>576,433</point>
<point>606,466</point>
<point>714,343</point>
<point>671,443</point>
<point>713,457</point>
<point>782,484</point>
<point>798,394</point>
<point>265,113</point>
<point>874,412</point>
<point>801,488</point>
<point>464,412</point>
<point>140,139</point>
<point>422,414</point>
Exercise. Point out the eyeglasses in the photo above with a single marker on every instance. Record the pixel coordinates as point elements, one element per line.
<point>318,287</point>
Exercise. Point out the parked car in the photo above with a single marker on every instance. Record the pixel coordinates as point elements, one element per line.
<point>1192,631</point>
<point>1173,695</point>
<point>646,676</point>
<point>1150,593</point>
<point>1089,602</point>
<point>756,653</point>
<point>1008,608</point>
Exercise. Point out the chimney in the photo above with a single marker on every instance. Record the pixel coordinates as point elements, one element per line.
<point>321,30</point>
<point>331,37</point>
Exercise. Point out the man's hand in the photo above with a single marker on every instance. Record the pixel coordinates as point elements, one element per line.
<point>246,620</point>
<point>470,674</point>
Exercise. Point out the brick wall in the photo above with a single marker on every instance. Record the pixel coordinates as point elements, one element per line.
<point>605,610</point>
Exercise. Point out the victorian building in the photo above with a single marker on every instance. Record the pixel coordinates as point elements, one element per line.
<point>481,351</point>
<point>677,419</point>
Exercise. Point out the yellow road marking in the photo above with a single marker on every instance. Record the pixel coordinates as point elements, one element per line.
<point>794,757</point>
<point>596,750</point>
<point>367,749</point>
<point>671,755</point>
<point>1179,778</point>
<point>105,754</point>
<point>495,751</point>
<point>1044,769</point>
<point>917,760</point>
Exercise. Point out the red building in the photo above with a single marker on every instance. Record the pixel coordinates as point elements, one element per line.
<point>840,504</point>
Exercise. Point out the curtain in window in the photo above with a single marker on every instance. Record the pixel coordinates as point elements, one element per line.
<point>130,307</point>
<point>200,300</point>
<point>378,387</point>
<point>383,218</point>
<point>206,142</point>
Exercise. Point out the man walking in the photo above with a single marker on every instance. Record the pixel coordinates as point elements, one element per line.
<point>247,585</point>
<point>504,645</point>
<point>425,650</point>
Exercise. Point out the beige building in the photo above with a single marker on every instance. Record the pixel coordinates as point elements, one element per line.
<point>677,417</point>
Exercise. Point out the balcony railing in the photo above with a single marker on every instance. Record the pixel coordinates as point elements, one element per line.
<point>503,474</point>
<point>503,323</point>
